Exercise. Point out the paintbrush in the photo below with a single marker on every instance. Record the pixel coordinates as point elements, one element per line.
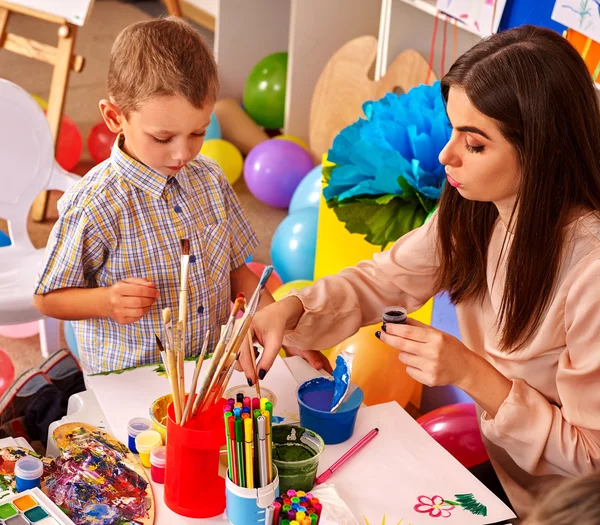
<point>171,359</point>
<point>163,354</point>
<point>253,357</point>
<point>199,362</point>
<point>218,354</point>
<point>168,327</point>
<point>245,323</point>
<point>180,363</point>
<point>183,295</point>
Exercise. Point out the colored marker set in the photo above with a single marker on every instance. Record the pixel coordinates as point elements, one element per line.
<point>31,507</point>
<point>248,425</point>
<point>294,508</point>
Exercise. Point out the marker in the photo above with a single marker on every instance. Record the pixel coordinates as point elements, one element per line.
<point>239,398</point>
<point>269,512</point>
<point>291,493</point>
<point>314,519</point>
<point>276,511</point>
<point>227,408</point>
<point>227,415</point>
<point>262,451</point>
<point>255,403</point>
<point>246,402</point>
<point>263,403</point>
<point>239,443</point>
<point>238,405</point>
<point>295,500</point>
<point>245,416</point>
<point>237,412</point>
<point>267,416</point>
<point>248,437</point>
<point>306,521</point>
<point>231,401</point>
<point>285,522</point>
<point>300,516</point>
<point>233,474</point>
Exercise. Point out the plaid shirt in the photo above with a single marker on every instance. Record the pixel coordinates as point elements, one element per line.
<point>125,220</point>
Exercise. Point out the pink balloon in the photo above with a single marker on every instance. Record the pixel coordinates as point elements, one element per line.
<point>455,427</point>
<point>20,331</point>
<point>7,372</point>
<point>274,281</point>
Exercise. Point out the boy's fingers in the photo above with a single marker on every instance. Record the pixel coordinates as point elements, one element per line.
<point>136,290</point>
<point>138,302</point>
<point>140,280</point>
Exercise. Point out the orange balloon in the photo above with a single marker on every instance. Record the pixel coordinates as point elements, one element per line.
<point>274,281</point>
<point>377,371</point>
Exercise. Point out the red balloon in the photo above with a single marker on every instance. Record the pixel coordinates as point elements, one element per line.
<point>70,144</point>
<point>7,372</point>
<point>455,427</point>
<point>274,281</point>
<point>100,142</point>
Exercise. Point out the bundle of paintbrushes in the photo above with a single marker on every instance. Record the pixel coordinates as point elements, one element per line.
<point>225,355</point>
<point>248,424</point>
<point>294,508</point>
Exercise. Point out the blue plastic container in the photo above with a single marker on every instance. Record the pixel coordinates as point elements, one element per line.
<point>314,399</point>
<point>28,471</point>
<point>136,426</point>
<point>249,506</point>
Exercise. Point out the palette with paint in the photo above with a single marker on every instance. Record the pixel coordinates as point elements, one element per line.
<point>30,507</point>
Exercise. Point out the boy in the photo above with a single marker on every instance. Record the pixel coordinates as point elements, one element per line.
<point>112,261</point>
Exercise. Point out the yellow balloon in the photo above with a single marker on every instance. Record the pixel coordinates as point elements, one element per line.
<point>295,140</point>
<point>41,102</point>
<point>286,288</point>
<point>226,155</point>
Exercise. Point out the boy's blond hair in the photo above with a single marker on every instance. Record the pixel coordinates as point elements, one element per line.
<point>163,56</point>
<point>574,501</point>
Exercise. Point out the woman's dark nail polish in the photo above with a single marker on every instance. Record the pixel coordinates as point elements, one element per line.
<point>262,373</point>
<point>384,327</point>
<point>250,383</point>
<point>378,334</point>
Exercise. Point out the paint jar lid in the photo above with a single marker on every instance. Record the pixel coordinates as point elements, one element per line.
<point>394,315</point>
<point>147,441</point>
<point>137,425</point>
<point>158,457</point>
<point>29,468</point>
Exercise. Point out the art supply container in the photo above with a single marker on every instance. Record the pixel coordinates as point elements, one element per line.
<point>248,506</point>
<point>146,442</point>
<point>158,460</point>
<point>394,315</point>
<point>28,471</point>
<point>296,453</point>
<point>158,414</point>
<point>193,487</point>
<point>250,391</point>
<point>314,399</point>
<point>134,427</point>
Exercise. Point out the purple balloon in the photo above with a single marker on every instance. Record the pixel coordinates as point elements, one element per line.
<point>273,170</point>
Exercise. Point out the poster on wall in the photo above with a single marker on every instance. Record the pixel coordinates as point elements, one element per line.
<point>581,15</point>
<point>475,14</point>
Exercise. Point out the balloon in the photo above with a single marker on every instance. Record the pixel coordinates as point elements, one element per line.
<point>295,140</point>
<point>274,281</point>
<point>4,239</point>
<point>226,155</point>
<point>264,91</point>
<point>308,192</point>
<point>41,102</point>
<point>70,338</point>
<point>273,170</point>
<point>70,144</point>
<point>7,372</point>
<point>20,331</point>
<point>377,370</point>
<point>286,288</point>
<point>214,130</point>
<point>100,142</point>
<point>249,259</point>
<point>294,245</point>
<point>456,428</point>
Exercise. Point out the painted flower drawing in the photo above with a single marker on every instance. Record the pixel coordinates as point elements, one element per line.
<point>436,507</point>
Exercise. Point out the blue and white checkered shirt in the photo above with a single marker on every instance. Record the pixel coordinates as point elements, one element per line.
<point>125,220</point>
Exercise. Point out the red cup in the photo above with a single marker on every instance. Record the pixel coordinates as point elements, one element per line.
<point>193,487</point>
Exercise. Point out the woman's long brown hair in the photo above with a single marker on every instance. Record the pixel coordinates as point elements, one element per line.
<point>537,88</point>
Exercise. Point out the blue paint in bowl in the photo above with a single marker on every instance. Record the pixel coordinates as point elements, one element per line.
<point>314,399</point>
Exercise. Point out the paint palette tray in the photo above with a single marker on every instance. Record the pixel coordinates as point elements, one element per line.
<point>30,507</point>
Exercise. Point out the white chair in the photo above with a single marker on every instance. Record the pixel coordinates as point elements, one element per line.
<point>27,167</point>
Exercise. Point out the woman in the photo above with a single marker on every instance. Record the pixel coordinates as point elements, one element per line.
<point>516,244</point>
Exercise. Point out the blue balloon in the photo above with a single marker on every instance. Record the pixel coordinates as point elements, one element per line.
<point>70,338</point>
<point>308,192</point>
<point>4,239</point>
<point>294,245</point>
<point>249,259</point>
<point>214,130</point>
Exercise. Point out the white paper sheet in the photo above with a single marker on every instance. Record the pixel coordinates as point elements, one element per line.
<point>581,15</point>
<point>476,14</point>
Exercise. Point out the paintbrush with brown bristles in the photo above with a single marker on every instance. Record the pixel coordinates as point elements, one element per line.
<point>219,352</point>
<point>163,354</point>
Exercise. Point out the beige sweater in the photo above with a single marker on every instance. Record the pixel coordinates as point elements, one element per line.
<point>549,425</point>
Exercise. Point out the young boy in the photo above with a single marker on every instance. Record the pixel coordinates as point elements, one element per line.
<point>113,259</point>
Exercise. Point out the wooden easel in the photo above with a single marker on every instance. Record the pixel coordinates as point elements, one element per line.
<point>173,7</point>
<point>61,57</point>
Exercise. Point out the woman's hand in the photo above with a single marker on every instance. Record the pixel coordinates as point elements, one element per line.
<point>432,357</point>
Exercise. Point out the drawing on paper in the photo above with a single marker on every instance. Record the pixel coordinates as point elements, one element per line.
<point>480,15</point>
<point>438,507</point>
<point>580,15</point>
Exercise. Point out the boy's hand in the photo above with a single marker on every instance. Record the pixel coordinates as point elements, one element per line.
<point>131,299</point>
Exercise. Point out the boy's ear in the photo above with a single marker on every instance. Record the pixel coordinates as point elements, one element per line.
<point>112,115</point>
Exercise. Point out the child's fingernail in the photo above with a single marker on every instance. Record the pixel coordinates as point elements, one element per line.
<point>262,373</point>
<point>384,327</point>
<point>378,334</point>
<point>250,383</point>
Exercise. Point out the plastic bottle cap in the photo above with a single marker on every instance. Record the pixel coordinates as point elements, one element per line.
<point>147,440</point>
<point>158,456</point>
<point>29,468</point>
<point>137,425</point>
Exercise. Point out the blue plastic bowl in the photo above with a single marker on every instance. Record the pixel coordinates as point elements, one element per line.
<point>334,427</point>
